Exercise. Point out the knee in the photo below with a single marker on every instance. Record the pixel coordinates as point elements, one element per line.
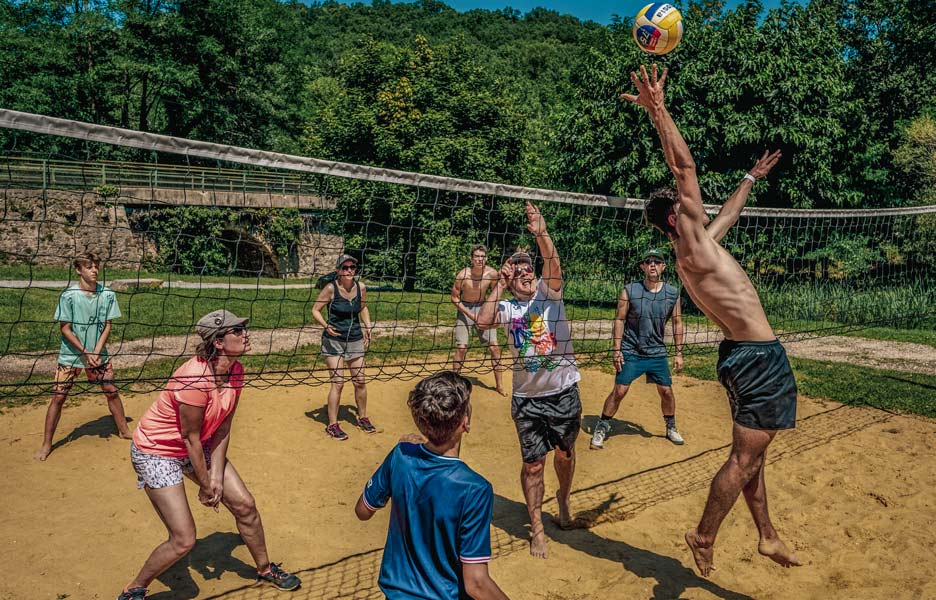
<point>182,544</point>
<point>112,395</point>
<point>619,392</point>
<point>748,464</point>
<point>359,384</point>
<point>534,468</point>
<point>58,398</point>
<point>337,386</point>
<point>244,507</point>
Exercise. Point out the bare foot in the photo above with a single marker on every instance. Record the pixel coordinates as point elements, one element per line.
<point>538,545</point>
<point>501,391</point>
<point>125,435</point>
<point>43,453</point>
<point>777,551</point>
<point>565,520</point>
<point>703,556</point>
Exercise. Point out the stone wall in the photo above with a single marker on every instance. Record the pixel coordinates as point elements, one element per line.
<point>50,228</point>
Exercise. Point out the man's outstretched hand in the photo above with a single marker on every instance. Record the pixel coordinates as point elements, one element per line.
<point>765,164</point>
<point>649,88</point>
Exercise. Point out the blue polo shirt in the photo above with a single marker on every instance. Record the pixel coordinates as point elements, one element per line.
<point>440,518</point>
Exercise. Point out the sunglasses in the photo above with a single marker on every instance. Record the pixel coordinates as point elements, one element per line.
<point>238,330</point>
<point>654,262</point>
<point>347,268</point>
<point>519,271</point>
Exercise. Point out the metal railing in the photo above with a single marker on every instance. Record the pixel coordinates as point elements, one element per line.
<point>33,173</point>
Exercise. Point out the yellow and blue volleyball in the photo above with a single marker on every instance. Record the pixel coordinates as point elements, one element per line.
<point>658,28</point>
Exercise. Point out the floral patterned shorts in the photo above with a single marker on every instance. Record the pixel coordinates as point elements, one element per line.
<point>154,471</point>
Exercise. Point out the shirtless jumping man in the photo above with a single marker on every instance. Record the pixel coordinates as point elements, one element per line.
<point>752,365</point>
<point>468,293</point>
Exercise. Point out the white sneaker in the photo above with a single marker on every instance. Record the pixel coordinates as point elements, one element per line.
<point>673,435</point>
<point>602,429</point>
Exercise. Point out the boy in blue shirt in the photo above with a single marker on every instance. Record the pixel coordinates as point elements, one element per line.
<point>439,540</point>
<point>85,311</point>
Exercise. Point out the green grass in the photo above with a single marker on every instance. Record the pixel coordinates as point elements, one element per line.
<point>849,384</point>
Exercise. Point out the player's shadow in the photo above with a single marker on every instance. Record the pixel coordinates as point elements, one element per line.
<point>478,383</point>
<point>618,427</point>
<point>211,557</point>
<point>346,414</point>
<point>102,427</point>
<point>672,577</point>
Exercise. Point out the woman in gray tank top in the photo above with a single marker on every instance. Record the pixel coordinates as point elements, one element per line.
<point>345,338</point>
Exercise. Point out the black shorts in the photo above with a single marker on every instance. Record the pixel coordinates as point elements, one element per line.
<point>760,384</point>
<point>547,422</point>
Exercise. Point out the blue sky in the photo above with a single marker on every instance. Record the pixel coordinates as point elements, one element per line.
<point>594,10</point>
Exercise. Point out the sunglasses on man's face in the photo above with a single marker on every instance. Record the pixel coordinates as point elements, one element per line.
<point>520,271</point>
<point>654,262</point>
<point>348,268</point>
<point>238,330</point>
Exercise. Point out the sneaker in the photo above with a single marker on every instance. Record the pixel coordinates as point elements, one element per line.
<point>602,429</point>
<point>279,578</point>
<point>365,424</point>
<point>136,593</point>
<point>334,430</point>
<point>673,435</point>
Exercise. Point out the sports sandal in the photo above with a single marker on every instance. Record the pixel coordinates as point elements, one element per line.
<point>279,578</point>
<point>334,431</point>
<point>365,424</point>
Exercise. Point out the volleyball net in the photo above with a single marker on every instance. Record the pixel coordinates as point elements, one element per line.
<point>191,227</point>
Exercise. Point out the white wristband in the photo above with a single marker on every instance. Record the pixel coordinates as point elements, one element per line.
<point>751,177</point>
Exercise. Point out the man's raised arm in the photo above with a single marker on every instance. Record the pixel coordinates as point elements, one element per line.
<point>731,210</point>
<point>675,150</point>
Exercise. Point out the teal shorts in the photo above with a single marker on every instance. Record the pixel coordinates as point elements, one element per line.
<point>656,368</point>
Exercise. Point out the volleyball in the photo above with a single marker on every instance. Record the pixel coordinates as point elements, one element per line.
<point>658,28</point>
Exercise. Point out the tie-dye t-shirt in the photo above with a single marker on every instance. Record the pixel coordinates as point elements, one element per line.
<point>540,341</point>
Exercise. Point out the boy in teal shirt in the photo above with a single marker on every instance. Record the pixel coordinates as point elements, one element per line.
<point>85,311</point>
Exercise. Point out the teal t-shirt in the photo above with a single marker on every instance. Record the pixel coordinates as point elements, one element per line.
<point>88,314</point>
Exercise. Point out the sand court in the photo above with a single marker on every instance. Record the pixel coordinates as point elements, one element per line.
<point>850,490</point>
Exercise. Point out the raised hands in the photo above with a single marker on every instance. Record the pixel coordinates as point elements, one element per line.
<point>649,88</point>
<point>536,224</point>
<point>765,164</point>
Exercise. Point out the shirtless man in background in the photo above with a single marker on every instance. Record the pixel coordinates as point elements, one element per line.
<point>468,293</point>
<point>752,365</point>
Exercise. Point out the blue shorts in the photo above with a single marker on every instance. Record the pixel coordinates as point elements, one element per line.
<point>656,368</point>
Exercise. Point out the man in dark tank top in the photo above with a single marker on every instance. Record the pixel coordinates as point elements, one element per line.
<point>643,309</point>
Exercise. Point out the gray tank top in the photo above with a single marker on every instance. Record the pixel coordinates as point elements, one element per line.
<point>647,314</point>
<point>344,316</point>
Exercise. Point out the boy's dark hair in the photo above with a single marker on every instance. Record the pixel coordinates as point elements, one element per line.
<point>86,259</point>
<point>439,403</point>
<point>659,207</point>
<point>477,247</point>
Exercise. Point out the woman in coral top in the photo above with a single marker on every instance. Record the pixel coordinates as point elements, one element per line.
<point>186,432</point>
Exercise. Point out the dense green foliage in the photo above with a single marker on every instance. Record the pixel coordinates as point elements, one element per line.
<point>528,99</point>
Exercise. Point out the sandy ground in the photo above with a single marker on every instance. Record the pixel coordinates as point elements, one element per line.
<point>851,489</point>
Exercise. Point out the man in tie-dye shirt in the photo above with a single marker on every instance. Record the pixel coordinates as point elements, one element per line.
<point>545,406</point>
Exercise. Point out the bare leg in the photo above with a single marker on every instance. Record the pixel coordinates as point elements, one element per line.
<point>335,364</point>
<point>53,414</point>
<point>458,360</point>
<point>498,372</point>
<point>238,499</point>
<point>744,462</point>
<point>564,463</point>
<point>172,507</point>
<point>356,368</point>
<point>116,409</point>
<point>613,401</point>
<point>770,544</point>
<point>531,478</point>
<point>667,400</point>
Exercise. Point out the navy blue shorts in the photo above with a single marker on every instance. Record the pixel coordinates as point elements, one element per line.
<point>656,368</point>
<point>547,422</point>
<point>760,384</point>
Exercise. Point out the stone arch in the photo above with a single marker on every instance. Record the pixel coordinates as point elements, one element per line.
<point>250,255</point>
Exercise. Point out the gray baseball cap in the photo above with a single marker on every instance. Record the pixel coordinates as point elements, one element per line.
<point>217,321</point>
<point>654,253</point>
<point>520,257</point>
<point>344,258</point>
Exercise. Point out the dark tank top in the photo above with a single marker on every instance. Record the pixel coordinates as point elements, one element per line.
<point>343,316</point>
